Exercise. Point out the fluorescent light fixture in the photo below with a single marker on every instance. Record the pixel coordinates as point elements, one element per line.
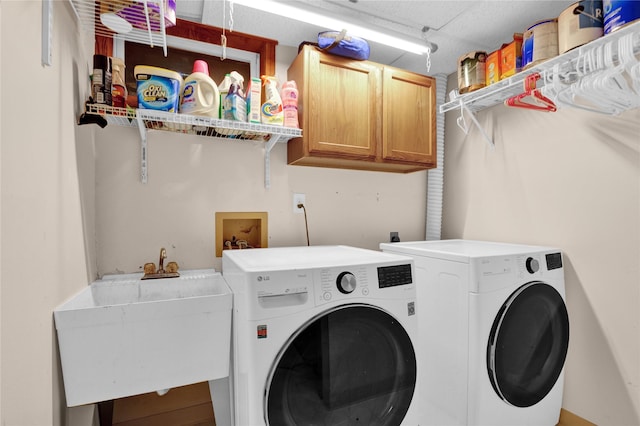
<point>329,22</point>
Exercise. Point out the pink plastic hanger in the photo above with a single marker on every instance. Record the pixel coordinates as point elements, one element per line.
<point>540,102</point>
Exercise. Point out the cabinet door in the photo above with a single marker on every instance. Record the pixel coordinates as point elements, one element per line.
<point>409,108</point>
<point>342,100</point>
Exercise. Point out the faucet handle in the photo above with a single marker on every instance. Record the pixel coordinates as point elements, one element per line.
<point>149,268</point>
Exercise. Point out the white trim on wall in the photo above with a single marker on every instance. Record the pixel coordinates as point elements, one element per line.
<point>201,47</point>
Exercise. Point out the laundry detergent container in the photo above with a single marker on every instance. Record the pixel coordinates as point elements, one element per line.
<point>158,88</point>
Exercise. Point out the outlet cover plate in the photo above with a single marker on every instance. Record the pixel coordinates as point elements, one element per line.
<point>298,199</point>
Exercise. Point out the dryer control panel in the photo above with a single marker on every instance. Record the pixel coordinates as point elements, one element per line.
<point>497,272</point>
<point>391,276</point>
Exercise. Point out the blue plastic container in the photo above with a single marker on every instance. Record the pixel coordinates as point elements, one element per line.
<point>619,13</point>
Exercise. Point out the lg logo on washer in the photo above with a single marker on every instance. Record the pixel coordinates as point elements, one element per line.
<point>263,278</point>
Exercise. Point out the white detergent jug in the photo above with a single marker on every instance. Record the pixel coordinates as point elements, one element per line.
<point>200,95</point>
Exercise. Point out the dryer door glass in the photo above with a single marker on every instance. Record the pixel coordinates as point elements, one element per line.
<point>354,365</point>
<point>528,344</point>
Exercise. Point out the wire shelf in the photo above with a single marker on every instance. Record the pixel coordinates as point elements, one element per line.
<point>146,19</point>
<point>205,126</point>
<point>498,92</point>
<point>117,116</point>
<point>192,125</point>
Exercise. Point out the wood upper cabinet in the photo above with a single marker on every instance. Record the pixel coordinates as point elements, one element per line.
<point>362,115</point>
<point>408,114</point>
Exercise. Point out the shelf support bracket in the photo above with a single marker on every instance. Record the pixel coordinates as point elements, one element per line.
<point>465,128</point>
<point>143,148</point>
<point>267,158</point>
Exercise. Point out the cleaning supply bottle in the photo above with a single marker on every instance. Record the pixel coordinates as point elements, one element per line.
<point>254,95</point>
<point>118,88</point>
<point>225,85</point>
<point>200,95</point>
<point>101,80</point>
<point>235,106</point>
<point>290,104</point>
<point>272,108</point>
<point>237,78</point>
<point>223,88</point>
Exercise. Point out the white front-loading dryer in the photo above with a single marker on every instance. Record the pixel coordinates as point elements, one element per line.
<point>322,335</point>
<point>494,331</point>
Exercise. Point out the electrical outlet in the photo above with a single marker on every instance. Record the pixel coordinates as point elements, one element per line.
<point>298,199</point>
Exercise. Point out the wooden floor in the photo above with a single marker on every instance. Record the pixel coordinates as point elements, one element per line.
<point>183,406</point>
<point>567,418</point>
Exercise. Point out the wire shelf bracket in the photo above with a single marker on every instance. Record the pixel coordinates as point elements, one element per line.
<point>464,126</point>
<point>145,120</point>
<point>143,149</point>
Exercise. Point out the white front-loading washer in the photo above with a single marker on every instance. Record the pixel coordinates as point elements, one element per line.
<point>494,331</point>
<point>322,335</point>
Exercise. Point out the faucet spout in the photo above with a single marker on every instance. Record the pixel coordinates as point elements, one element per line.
<point>163,256</point>
<point>150,268</point>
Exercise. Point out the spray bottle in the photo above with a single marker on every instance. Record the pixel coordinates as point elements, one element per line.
<point>272,108</point>
<point>235,107</point>
<point>225,85</point>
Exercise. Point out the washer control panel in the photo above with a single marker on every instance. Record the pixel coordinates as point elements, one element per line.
<point>360,281</point>
<point>338,283</point>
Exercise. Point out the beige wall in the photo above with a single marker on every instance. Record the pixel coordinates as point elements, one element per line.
<point>43,254</point>
<point>569,179</point>
<point>192,177</point>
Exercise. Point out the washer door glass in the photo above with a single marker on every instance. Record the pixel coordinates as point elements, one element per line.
<point>354,365</point>
<point>528,344</point>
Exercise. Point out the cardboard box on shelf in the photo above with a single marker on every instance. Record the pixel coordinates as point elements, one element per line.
<point>493,67</point>
<point>511,57</point>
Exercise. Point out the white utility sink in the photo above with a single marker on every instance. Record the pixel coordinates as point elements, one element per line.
<point>125,336</point>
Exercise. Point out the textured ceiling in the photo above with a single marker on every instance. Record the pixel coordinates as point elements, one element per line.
<point>457,27</point>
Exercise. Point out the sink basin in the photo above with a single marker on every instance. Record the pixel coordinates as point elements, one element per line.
<point>125,336</point>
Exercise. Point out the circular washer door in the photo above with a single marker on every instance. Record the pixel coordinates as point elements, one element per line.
<point>528,344</point>
<point>354,365</point>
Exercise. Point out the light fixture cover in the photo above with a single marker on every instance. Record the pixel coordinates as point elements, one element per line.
<point>115,23</point>
<point>331,23</point>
